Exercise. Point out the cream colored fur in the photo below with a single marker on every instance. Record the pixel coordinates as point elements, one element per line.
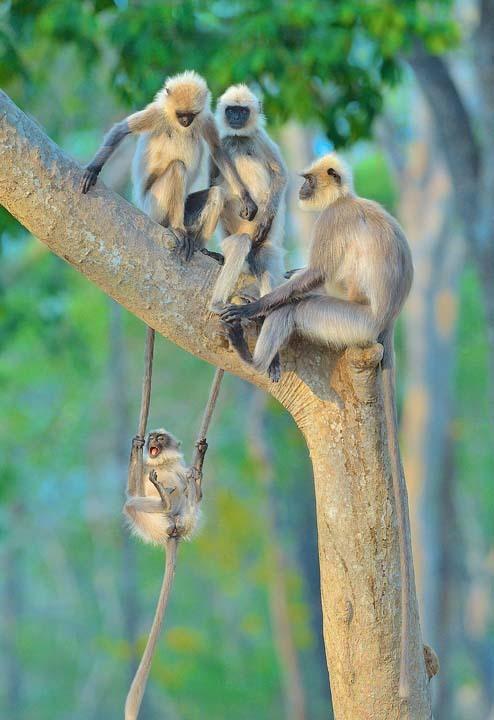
<point>260,166</point>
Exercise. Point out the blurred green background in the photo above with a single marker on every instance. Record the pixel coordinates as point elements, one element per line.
<point>243,634</point>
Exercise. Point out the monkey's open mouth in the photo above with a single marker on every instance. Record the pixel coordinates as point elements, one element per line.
<point>154,451</point>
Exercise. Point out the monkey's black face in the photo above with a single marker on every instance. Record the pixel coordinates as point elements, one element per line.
<point>308,188</point>
<point>237,116</point>
<point>159,441</point>
<point>185,118</point>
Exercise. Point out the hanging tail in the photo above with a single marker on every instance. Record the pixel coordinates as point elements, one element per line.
<point>276,329</point>
<point>400,494</point>
<point>136,692</point>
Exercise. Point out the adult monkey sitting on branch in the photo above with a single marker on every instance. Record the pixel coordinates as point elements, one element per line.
<point>172,130</point>
<point>334,398</point>
<point>359,275</point>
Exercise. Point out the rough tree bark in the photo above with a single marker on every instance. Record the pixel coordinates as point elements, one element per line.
<point>335,399</point>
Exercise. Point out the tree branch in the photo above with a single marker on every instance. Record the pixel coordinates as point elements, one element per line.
<point>116,246</point>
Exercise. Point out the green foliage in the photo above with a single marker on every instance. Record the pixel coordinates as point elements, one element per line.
<point>472,430</point>
<point>312,60</point>
<point>373,179</point>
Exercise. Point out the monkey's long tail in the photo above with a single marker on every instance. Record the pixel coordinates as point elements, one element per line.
<point>136,692</point>
<point>400,494</point>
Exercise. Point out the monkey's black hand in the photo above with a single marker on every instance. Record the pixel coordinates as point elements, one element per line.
<point>290,273</point>
<point>89,178</point>
<point>202,446</point>
<point>234,313</point>
<point>262,230</point>
<point>249,210</point>
<point>137,442</point>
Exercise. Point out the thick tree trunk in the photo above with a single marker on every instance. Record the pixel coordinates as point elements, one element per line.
<point>335,400</point>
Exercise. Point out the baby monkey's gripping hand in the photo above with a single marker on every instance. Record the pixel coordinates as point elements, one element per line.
<point>89,177</point>
<point>249,209</point>
<point>235,313</point>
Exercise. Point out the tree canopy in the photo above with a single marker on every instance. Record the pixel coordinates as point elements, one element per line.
<point>313,61</point>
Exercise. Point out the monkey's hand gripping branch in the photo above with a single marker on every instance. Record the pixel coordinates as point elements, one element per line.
<point>235,313</point>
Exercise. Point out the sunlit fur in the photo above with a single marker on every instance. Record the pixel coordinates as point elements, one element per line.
<point>260,165</point>
<point>186,92</point>
<point>239,95</point>
<point>154,527</point>
<point>168,152</point>
<point>328,190</point>
<point>360,267</point>
<point>173,132</point>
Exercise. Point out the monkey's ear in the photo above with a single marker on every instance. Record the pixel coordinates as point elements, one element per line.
<point>332,172</point>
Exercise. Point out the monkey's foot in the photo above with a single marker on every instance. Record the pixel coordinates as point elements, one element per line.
<point>274,370</point>
<point>185,243</point>
<point>216,307</point>
<point>235,334</point>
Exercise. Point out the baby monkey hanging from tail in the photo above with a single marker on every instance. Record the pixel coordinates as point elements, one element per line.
<point>359,275</point>
<point>162,508</point>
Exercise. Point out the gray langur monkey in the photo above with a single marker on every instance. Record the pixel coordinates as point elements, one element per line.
<point>359,275</point>
<point>162,507</point>
<point>253,245</point>
<point>172,131</point>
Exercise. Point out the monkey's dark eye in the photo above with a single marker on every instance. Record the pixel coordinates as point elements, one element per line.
<point>332,172</point>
